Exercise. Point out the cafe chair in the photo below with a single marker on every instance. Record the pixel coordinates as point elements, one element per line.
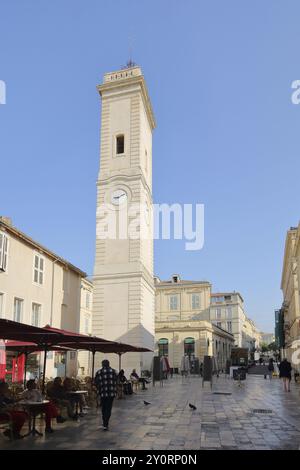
<point>6,423</point>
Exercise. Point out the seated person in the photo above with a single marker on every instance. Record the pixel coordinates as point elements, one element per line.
<point>50,410</point>
<point>79,385</point>
<point>92,391</point>
<point>70,386</point>
<point>123,382</point>
<point>135,378</point>
<point>60,397</point>
<point>17,417</point>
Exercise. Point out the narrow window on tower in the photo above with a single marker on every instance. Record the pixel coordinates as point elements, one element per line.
<point>120,144</point>
<point>146,161</point>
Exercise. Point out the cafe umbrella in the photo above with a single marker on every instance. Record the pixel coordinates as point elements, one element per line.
<point>95,344</point>
<point>47,337</point>
<point>112,347</point>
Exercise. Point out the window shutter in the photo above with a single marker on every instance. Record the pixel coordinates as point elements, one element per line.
<point>3,251</point>
<point>38,270</point>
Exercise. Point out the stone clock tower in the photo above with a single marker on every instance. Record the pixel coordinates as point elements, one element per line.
<point>123,306</point>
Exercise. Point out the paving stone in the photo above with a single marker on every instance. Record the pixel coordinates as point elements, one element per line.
<point>220,422</point>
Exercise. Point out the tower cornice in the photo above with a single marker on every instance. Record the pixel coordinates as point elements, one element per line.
<point>118,84</point>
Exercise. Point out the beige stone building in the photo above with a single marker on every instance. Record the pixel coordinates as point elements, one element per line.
<point>221,316</point>
<point>290,286</point>
<point>174,339</point>
<point>180,326</point>
<point>227,311</point>
<point>179,299</point>
<point>251,336</point>
<point>267,338</point>
<point>123,307</point>
<point>40,288</point>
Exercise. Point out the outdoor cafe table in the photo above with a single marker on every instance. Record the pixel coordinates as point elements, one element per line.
<point>33,408</point>
<point>74,394</point>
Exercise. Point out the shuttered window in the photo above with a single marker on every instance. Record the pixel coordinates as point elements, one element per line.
<point>3,251</point>
<point>38,269</point>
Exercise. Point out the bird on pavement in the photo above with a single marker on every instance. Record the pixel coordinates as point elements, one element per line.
<point>192,406</point>
<point>146,403</point>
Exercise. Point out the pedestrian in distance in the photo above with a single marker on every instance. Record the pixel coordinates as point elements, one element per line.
<point>285,373</point>
<point>106,383</point>
<point>271,367</point>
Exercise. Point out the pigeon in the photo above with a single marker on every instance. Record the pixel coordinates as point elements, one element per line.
<point>192,406</point>
<point>146,403</point>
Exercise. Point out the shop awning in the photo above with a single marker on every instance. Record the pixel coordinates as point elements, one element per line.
<point>22,332</point>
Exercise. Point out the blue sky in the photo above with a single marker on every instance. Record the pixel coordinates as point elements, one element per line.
<point>219,76</point>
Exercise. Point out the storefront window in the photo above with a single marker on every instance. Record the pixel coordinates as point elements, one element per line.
<point>163,347</point>
<point>189,346</point>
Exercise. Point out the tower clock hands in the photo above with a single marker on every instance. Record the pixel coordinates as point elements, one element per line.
<point>118,196</point>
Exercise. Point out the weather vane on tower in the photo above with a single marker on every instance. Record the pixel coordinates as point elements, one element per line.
<point>130,62</point>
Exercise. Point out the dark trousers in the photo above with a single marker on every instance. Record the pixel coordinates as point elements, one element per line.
<point>106,404</point>
<point>143,381</point>
<point>127,387</point>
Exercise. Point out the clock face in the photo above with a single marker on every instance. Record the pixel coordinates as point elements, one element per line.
<point>118,197</point>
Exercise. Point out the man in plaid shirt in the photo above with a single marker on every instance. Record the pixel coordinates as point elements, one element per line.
<point>106,382</point>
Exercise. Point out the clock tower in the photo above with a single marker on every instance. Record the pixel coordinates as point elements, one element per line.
<point>123,305</point>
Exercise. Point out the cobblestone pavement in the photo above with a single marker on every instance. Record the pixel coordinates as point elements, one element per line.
<point>219,422</point>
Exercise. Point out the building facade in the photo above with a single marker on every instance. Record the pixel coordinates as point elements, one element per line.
<point>251,336</point>
<point>123,274</point>
<point>39,288</point>
<point>198,338</point>
<point>227,312</point>
<point>267,338</point>
<point>190,301</point>
<point>181,300</point>
<point>180,327</point>
<point>290,284</point>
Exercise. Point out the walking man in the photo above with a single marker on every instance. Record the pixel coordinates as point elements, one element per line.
<point>106,382</point>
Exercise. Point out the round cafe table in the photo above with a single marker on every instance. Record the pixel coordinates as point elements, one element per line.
<point>33,408</point>
<point>74,394</point>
